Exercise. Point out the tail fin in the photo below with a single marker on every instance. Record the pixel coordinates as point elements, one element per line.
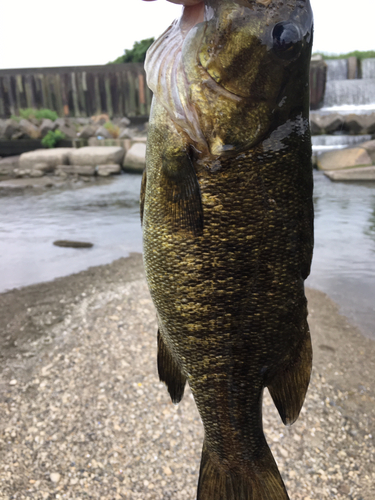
<point>262,481</point>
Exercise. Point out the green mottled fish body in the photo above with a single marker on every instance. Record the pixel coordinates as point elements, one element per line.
<point>227,222</point>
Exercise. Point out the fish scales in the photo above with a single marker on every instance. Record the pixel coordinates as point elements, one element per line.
<point>227,246</point>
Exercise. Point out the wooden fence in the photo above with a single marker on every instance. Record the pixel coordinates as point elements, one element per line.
<point>115,89</point>
<point>80,91</point>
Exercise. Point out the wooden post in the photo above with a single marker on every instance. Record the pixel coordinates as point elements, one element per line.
<point>108,95</point>
<point>75,95</point>
<point>142,98</point>
<point>59,96</point>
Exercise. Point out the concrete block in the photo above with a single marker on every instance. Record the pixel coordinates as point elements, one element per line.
<point>135,159</point>
<point>96,155</point>
<point>50,157</point>
<point>107,170</point>
<point>86,170</point>
<point>343,158</point>
<point>352,174</point>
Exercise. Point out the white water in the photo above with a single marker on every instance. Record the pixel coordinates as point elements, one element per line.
<point>337,69</point>
<point>339,140</point>
<point>329,142</point>
<point>368,68</point>
<point>350,93</point>
<point>346,109</point>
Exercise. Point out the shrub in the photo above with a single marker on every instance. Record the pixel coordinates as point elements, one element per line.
<point>112,129</point>
<point>51,139</point>
<point>39,114</point>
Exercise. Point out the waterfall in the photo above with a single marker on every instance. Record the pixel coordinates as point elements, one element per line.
<point>320,142</point>
<point>349,92</point>
<point>337,69</point>
<point>368,68</point>
<point>343,95</point>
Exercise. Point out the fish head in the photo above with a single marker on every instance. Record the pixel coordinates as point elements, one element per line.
<point>246,42</point>
<point>248,69</point>
<point>230,72</point>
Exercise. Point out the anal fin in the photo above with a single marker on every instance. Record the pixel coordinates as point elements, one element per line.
<point>170,372</point>
<point>289,386</point>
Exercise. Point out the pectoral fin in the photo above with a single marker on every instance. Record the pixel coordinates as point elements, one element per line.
<point>289,386</point>
<point>181,193</point>
<point>170,372</point>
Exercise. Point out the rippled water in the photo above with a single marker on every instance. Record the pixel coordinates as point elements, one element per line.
<point>344,254</point>
<point>108,216</point>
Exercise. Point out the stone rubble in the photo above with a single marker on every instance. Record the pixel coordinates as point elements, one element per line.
<point>98,130</point>
<point>102,161</point>
<point>352,124</point>
<point>73,128</point>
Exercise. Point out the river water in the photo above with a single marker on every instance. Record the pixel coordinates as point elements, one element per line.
<point>108,216</point>
<point>344,254</point>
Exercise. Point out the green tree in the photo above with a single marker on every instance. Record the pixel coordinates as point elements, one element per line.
<point>137,54</point>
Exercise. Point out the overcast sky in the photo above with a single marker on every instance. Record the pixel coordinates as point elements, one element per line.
<point>42,33</point>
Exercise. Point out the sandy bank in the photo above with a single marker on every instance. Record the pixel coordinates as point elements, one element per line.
<point>83,415</point>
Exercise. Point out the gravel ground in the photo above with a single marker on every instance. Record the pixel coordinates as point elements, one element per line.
<point>83,415</point>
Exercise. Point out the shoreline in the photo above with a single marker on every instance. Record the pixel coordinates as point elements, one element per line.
<point>80,351</point>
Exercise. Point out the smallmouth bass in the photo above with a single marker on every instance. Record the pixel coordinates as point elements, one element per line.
<point>227,214</point>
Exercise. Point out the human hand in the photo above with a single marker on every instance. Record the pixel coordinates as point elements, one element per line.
<point>180,2</point>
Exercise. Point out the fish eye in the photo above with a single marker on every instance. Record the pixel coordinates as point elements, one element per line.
<point>286,40</point>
